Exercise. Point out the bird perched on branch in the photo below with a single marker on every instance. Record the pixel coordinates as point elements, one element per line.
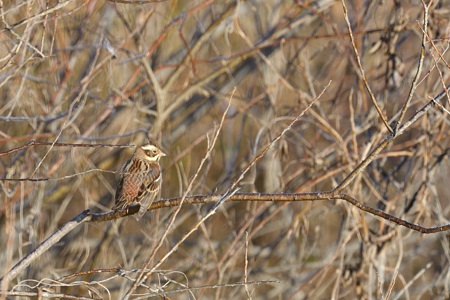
<point>140,179</point>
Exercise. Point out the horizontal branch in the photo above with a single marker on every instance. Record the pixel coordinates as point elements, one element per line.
<point>54,144</point>
<point>278,197</point>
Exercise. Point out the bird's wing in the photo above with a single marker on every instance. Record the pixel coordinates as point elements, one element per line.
<point>149,189</point>
<point>120,203</point>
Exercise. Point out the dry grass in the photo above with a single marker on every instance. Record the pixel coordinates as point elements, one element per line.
<point>113,73</point>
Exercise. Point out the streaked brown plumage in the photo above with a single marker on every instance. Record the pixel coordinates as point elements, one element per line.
<point>140,179</point>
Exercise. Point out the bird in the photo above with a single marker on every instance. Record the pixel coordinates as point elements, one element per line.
<point>140,179</point>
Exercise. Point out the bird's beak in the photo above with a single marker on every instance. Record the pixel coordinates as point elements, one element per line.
<point>162,154</point>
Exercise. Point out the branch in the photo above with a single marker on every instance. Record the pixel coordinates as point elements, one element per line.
<point>84,216</point>
<point>277,197</point>
<point>419,67</point>
<point>361,69</point>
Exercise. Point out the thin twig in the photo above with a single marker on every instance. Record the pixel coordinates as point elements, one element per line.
<point>35,143</point>
<point>419,67</point>
<point>361,69</point>
<point>40,179</point>
<point>44,295</point>
<point>249,296</point>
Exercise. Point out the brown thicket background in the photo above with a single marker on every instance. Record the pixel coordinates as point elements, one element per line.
<point>99,72</point>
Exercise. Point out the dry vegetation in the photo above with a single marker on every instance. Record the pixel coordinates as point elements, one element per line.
<point>112,73</point>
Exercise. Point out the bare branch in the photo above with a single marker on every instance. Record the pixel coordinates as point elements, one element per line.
<point>47,244</point>
<point>361,69</point>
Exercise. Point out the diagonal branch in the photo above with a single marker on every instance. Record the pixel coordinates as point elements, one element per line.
<point>84,216</point>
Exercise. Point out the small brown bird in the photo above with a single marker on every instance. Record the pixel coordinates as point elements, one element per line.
<point>140,179</point>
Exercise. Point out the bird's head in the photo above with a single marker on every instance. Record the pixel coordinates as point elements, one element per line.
<point>152,152</point>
